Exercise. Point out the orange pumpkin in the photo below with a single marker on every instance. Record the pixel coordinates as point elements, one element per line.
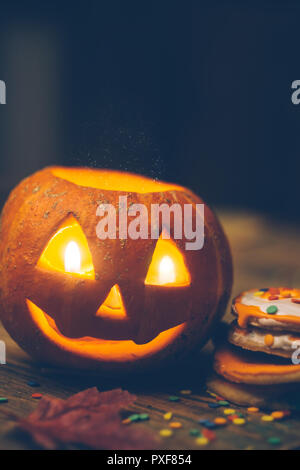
<point>72,299</point>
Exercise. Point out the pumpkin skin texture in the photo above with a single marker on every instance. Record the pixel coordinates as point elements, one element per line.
<point>52,314</point>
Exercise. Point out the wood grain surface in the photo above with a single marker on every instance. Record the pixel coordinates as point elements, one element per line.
<point>266,253</point>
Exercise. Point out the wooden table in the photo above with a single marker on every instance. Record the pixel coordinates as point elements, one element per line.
<point>265,253</point>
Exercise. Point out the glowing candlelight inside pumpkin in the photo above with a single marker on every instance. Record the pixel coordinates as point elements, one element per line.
<point>72,258</point>
<point>166,270</point>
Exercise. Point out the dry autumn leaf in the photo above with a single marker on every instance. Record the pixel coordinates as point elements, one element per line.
<point>89,418</point>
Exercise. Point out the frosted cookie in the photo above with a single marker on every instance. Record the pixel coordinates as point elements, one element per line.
<point>256,339</point>
<point>274,308</point>
<point>240,366</point>
<point>267,396</point>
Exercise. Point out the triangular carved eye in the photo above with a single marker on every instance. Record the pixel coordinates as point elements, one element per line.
<point>167,267</point>
<point>68,251</point>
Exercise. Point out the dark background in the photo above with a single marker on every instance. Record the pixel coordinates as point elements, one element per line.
<point>191,92</point>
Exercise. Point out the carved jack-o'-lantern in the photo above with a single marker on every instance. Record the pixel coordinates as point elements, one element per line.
<point>70,298</point>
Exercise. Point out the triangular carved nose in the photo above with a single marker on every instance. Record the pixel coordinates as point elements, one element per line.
<point>113,306</point>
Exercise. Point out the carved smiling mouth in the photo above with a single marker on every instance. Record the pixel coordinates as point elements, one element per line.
<point>101,349</point>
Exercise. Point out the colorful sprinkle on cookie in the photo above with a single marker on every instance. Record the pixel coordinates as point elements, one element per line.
<point>286,295</point>
<point>269,340</point>
<point>274,290</point>
<point>272,309</point>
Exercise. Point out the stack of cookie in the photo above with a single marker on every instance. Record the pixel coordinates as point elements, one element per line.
<point>260,358</point>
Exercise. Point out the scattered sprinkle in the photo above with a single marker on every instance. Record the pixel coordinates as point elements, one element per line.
<point>165,432</point>
<point>168,415</point>
<point>175,425</point>
<point>33,383</point>
<point>3,400</point>
<point>269,340</point>
<point>173,398</point>
<point>239,421</point>
<point>264,289</point>
<point>214,405</point>
<point>134,417</point>
<point>203,421</point>
<point>272,309</point>
<point>210,435</point>
<point>220,421</point>
<point>229,411</point>
<point>273,297</point>
<point>253,409</point>
<point>267,418</point>
<point>296,301</point>
<point>194,432</point>
<point>212,394</point>
<point>209,424</point>
<point>202,441</point>
<point>144,417</point>
<point>223,403</point>
<point>278,414</point>
<point>258,293</point>
<point>185,392</point>
<point>37,396</point>
<point>233,417</point>
<point>126,421</point>
<point>274,441</point>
